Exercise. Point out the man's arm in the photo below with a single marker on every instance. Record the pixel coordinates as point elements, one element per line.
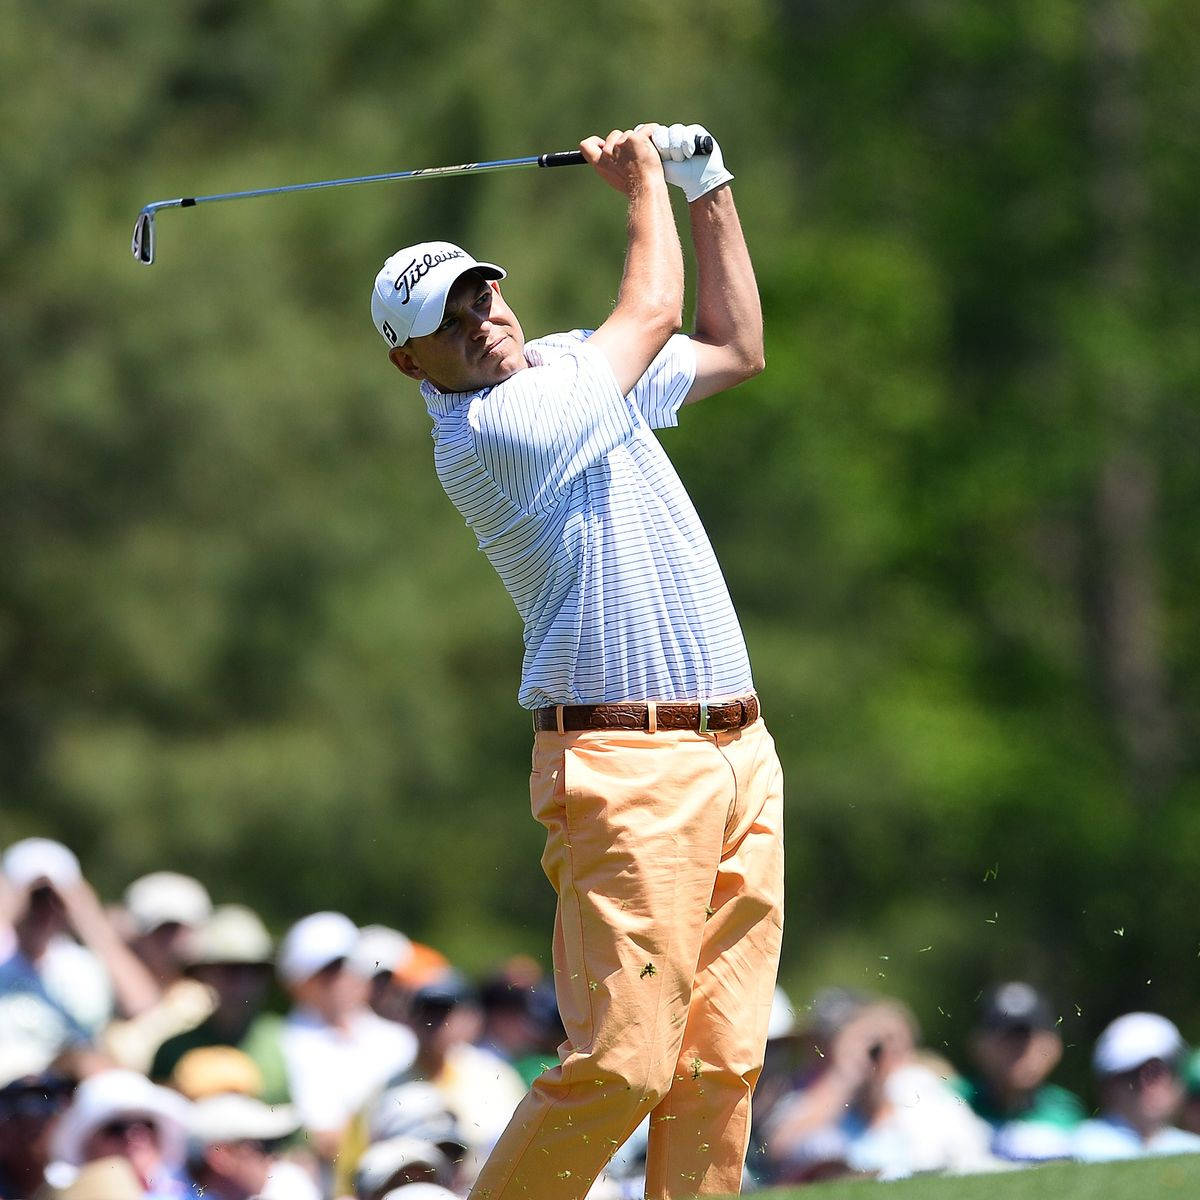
<point>729,327</point>
<point>650,301</point>
<point>728,337</point>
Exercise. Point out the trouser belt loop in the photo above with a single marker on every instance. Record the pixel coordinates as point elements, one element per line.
<point>558,716</point>
<point>651,717</point>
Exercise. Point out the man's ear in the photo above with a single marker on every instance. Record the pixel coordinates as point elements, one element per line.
<point>404,362</point>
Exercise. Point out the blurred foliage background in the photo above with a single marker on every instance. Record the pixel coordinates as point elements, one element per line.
<point>243,634</point>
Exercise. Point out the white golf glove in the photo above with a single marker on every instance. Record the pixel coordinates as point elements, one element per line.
<point>695,173</point>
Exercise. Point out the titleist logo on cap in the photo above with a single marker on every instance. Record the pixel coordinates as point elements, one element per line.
<point>416,270</point>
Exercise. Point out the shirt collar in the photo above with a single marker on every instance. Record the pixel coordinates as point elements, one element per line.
<point>442,404</point>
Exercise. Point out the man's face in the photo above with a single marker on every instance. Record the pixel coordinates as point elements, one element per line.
<point>1016,1059</point>
<point>1149,1095</point>
<point>478,344</point>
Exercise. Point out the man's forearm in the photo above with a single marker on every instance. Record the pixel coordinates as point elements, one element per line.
<point>728,311</point>
<point>652,281</point>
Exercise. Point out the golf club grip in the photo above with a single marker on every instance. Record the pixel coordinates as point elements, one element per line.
<point>574,158</point>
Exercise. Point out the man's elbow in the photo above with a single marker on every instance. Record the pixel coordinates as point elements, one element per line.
<point>750,361</point>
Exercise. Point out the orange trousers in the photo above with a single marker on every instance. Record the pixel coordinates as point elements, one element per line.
<point>666,852</point>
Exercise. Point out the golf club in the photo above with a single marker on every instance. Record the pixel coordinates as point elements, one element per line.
<point>143,230</point>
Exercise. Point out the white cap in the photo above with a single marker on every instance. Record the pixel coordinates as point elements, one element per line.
<point>234,1118</point>
<point>109,1095</point>
<point>35,858</point>
<point>165,897</point>
<point>1134,1039</point>
<point>420,1191</point>
<point>380,949</point>
<point>232,934</point>
<point>782,1021</point>
<point>313,943</point>
<point>410,290</point>
<point>382,1160</point>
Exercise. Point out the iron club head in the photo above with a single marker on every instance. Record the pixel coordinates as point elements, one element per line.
<point>143,238</point>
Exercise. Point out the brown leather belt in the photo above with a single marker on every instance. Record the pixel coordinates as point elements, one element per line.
<point>649,717</point>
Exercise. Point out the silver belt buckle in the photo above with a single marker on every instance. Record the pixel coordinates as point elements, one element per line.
<point>703,718</point>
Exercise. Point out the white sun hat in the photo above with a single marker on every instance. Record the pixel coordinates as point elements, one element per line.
<point>111,1095</point>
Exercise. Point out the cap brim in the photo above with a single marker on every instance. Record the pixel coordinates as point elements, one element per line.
<point>434,308</point>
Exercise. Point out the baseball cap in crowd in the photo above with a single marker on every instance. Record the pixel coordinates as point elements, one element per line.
<point>166,898</point>
<point>231,934</point>
<point>782,1021</point>
<point>420,1191</point>
<point>422,966</point>
<point>446,991</point>
<point>216,1071</point>
<point>313,943</point>
<point>416,1110</point>
<point>240,1118</point>
<point>1134,1039</point>
<point>383,1161</point>
<point>380,951</point>
<point>1015,1006</point>
<point>118,1093</point>
<point>33,859</point>
<point>410,290</point>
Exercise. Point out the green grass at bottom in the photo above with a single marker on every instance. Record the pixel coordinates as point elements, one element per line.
<point>1143,1179</point>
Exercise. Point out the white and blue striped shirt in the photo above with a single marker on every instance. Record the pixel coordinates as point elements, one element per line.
<point>580,511</point>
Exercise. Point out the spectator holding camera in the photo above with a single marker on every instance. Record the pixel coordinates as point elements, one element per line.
<point>62,962</point>
<point>877,1109</point>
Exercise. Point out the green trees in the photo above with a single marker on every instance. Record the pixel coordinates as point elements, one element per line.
<point>243,633</point>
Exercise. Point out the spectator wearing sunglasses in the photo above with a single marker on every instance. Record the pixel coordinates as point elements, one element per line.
<point>1137,1063</point>
<point>119,1113</point>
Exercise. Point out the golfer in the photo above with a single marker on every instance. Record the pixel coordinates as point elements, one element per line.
<point>653,773</point>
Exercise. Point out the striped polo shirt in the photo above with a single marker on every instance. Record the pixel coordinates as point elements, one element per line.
<point>586,522</point>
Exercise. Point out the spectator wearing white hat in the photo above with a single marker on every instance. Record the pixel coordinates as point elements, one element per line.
<point>399,1162</point>
<point>122,1113</point>
<point>421,1191</point>
<point>230,954</point>
<point>1137,1065</point>
<point>336,1050</point>
<point>61,935</point>
<point>161,910</point>
<point>380,953</point>
<point>231,1151</point>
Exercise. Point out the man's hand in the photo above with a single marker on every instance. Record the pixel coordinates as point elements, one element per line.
<point>624,159</point>
<point>695,174</point>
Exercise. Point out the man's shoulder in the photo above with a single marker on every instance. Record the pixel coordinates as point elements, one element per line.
<point>541,350</point>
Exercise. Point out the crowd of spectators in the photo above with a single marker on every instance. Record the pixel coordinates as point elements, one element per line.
<point>145,1054</point>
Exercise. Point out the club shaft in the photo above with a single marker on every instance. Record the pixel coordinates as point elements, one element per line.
<point>502,164</point>
<point>143,238</point>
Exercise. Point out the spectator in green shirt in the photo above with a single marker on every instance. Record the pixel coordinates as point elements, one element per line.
<point>1015,1047</point>
<point>231,954</point>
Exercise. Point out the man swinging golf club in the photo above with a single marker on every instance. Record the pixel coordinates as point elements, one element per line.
<point>653,774</point>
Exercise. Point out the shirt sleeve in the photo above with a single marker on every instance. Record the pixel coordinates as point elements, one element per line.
<point>667,381</point>
<point>542,428</point>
